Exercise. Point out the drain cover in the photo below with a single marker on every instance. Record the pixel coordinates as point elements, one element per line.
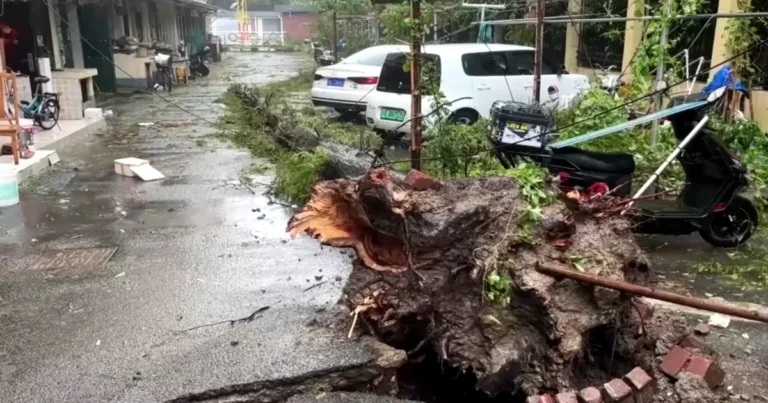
<point>73,258</point>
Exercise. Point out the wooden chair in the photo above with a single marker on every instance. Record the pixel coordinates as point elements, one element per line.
<point>9,114</point>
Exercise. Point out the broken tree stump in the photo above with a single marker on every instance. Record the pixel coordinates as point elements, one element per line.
<point>429,261</point>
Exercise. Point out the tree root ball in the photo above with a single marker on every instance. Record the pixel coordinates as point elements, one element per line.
<point>453,269</point>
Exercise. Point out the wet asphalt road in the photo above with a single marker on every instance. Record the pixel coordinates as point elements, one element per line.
<point>195,248</point>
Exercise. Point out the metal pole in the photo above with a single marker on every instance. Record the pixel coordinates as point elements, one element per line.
<point>561,20</point>
<point>335,40</point>
<point>660,76</point>
<point>434,26</point>
<point>415,87</point>
<point>647,185</point>
<point>642,291</point>
<point>539,51</point>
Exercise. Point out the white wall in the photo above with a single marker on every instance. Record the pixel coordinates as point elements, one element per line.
<point>130,66</point>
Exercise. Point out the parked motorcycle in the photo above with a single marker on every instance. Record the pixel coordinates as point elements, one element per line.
<point>709,203</point>
<point>200,63</point>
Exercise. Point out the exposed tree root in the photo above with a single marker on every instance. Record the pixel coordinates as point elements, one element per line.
<point>455,236</point>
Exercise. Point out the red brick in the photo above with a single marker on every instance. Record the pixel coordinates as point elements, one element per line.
<point>617,391</point>
<point>693,343</point>
<point>420,181</point>
<point>591,395</point>
<point>641,383</point>
<point>566,397</point>
<point>675,360</point>
<point>707,368</point>
<point>540,399</point>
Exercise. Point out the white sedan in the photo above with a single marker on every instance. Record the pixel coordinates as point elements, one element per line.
<point>344,86</point>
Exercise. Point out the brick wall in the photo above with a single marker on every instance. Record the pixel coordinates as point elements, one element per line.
<point>70,98</point>
<point>297,26</point>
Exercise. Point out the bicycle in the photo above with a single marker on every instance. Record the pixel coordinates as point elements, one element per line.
<point>164,73</point>
<point>44,108</point>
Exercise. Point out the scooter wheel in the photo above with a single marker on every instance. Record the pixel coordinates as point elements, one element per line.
<point>733,226</point>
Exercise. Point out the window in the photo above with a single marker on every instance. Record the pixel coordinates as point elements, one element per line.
<point>602,44</point>
<point>139,27</point>
<point>485,64</point>
<point>393,76</point>
<point>510,63</point>
<point>126,25</point>
<point>758,56</point>
<point>367,57</point>
<point>522,63</point>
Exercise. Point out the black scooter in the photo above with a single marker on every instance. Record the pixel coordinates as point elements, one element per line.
<point>200,62</point>
<point>709,202</point>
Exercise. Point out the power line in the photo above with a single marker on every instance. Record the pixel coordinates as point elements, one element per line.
<point>559,129</point>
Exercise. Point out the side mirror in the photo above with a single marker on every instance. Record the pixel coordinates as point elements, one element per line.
<point>562,70</point>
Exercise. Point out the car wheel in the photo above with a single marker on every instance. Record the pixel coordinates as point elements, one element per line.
<point>464,117</point>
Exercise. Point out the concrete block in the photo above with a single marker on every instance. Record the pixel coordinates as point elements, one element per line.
<point>707,368</point>
<point>94,113</point>
<point>674,361</point>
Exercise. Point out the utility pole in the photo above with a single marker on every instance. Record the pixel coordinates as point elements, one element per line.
<point>539,60</point>
<point>335,40</point>
<point>415,86</point>
<point>660,76</point>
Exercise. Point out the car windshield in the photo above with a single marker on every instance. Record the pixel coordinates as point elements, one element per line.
<point>367,57</point>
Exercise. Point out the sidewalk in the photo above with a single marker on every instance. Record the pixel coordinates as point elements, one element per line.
<point>47,144</point>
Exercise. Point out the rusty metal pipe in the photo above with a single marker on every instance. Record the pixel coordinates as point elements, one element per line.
<point>643,291</point>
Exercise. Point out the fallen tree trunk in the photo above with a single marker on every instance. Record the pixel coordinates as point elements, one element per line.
<point>278,120</point>
<point>454,268</point>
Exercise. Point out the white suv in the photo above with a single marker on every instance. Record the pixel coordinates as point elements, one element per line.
<point>480,73</point>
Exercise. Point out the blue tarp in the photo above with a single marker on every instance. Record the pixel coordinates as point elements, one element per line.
<point>724,78</point>
<point>628,125</point>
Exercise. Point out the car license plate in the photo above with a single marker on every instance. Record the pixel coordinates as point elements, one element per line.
<point>395,115</point>
<point>335,82</point>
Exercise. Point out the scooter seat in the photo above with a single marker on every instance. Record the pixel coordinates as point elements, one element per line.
<point>622,163</point>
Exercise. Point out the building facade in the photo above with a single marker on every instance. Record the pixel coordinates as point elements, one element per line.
<point>589,48</point>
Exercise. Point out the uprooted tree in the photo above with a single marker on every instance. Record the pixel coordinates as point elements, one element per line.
<point>453,268</point>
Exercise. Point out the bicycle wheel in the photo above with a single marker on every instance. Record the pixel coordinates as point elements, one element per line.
<point>48,116</point>
<point>167,80</point>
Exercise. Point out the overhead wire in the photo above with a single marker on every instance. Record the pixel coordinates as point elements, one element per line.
<point>559,129</point>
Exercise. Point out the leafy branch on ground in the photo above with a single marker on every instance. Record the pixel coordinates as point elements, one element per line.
<point>263,121</point>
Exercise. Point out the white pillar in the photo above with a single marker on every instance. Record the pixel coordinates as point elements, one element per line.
<point>44,67</point>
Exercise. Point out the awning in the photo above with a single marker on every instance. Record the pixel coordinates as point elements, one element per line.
<point>199,4</point>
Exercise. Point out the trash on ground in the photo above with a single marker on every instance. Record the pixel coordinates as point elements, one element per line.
<point>137,167</point>
<point>719,320</point>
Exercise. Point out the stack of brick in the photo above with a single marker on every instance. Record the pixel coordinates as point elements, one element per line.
<point>693,356</point>
<point>635,387</point>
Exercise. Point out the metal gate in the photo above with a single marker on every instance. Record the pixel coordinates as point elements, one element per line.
<point>96,33</point>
